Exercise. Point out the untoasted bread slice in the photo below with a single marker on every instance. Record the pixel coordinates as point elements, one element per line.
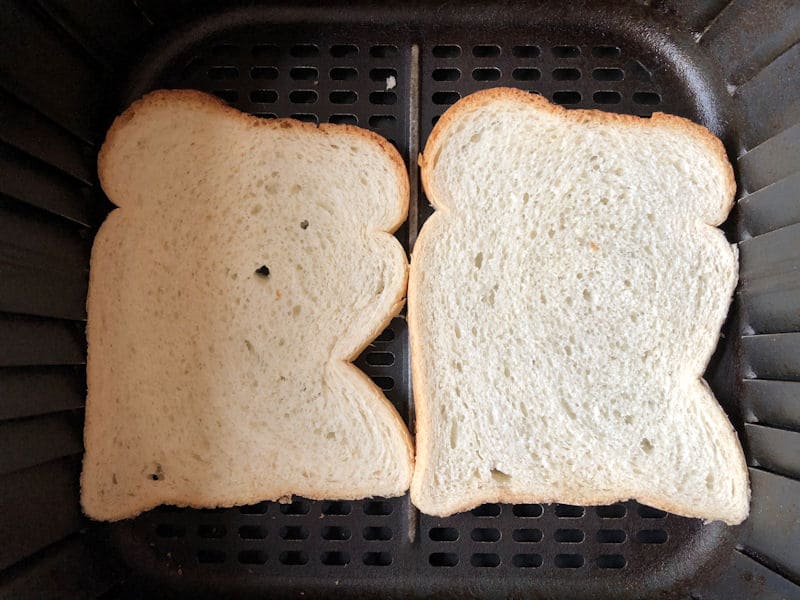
<point>248,262</point>
<point>564,301</point>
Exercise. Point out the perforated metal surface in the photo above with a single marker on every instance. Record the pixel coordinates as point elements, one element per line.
<point>398,84</point>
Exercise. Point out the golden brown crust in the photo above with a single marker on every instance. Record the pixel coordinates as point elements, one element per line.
<point>477,101</point>
<point>203,101</point>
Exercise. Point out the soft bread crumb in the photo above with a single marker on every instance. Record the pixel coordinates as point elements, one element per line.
<point>564,301</point>
<point>248,262</point>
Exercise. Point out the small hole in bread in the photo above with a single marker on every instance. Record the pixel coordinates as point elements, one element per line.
<point>499,476</point>
<point>158,473</point>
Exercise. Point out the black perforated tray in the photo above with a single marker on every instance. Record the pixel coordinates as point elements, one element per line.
<point>332,64</point>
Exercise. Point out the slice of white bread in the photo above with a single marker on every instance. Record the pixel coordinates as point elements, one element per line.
<point>564,300</point>
<point>248,262</point>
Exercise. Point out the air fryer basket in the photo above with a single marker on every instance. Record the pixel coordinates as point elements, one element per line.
<point>67,66</point>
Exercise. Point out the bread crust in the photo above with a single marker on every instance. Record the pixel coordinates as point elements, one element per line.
<point>477,101</point>
<point>206,102</point>
<point>659,120</point>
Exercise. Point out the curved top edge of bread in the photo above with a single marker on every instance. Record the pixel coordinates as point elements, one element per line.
<point>208,102</point>
<point>482,98</point>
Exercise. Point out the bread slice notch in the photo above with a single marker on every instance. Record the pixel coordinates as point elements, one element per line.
<point>564,301</point>
<point>248,263</point>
